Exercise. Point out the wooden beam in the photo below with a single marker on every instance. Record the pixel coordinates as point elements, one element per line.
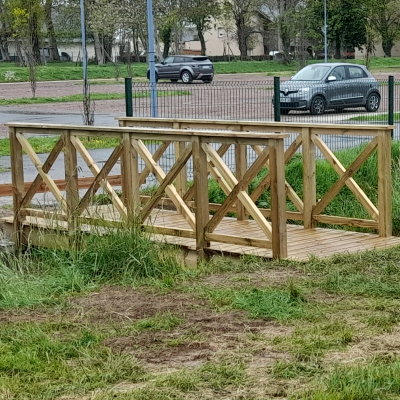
<point>201,196</point>
<point>238,240</point>
<point>72,185</point>
<point>278,199</point>
<point>385,184</point>
<point>17,174</point>
<point>241,168</point>
<point>309,179</point>
<point>130,180</point>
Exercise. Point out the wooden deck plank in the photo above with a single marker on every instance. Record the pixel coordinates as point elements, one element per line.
<point>302,243</point>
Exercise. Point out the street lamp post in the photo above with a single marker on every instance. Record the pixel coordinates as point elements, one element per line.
<point>325,34</point>
<point>153,87</point>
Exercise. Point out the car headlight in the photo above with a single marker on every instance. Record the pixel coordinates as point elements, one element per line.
<point>304,90</point>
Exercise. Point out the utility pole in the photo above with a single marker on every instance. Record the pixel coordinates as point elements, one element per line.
<point>325,34</point>
<point>153,87</point>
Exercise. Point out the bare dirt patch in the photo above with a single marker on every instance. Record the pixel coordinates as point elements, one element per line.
<point>202,336</point>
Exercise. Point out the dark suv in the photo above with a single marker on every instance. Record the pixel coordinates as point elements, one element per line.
<point>186,68</point>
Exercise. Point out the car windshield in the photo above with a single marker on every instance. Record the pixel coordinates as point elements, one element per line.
<point>311,73</point>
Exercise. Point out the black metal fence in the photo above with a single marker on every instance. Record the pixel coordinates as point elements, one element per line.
<point>254,101</point>
<point>345,103</point>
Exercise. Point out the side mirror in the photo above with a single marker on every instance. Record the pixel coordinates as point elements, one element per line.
<point>331,78</point>
<point>163,62</point>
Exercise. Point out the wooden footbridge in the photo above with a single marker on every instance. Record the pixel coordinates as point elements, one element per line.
<point>181,213</point>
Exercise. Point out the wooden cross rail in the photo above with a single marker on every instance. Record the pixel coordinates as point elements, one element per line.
<point>308,137</point>
<point>196,139</point>
<point>193,143</point>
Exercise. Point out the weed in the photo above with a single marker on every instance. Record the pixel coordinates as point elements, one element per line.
<point>160,322</point>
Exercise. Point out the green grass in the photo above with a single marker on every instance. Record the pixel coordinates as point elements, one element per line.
<point>45,276</point>
<point>160,322</point>
<point>377,117</point>
<point>379,379</point>
<point>46,144</point>
<point>70,71</point>
<point>93,96</point>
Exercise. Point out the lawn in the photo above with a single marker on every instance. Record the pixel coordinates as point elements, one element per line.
<point>9,72</point>
<point>125,319</point>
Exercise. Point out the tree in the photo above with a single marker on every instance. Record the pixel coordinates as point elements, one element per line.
<point>243,13</point>
<point>51,34</point>
<point>201,13</point>
<point>385,19</point>
<point>346,20</point>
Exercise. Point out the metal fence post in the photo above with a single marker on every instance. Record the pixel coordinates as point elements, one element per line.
<point>277,102</point>
<point>128,97</point>
<point>391,101</point>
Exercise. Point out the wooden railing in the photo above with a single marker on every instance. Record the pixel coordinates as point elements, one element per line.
<point>307,135</point>
<point>194,139</point>
<point>190,143</point>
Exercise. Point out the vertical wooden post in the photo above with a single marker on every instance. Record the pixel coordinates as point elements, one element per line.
<point>278,198</point>
<point>72,183</point>
<point>241,168</point>
<point>130,178</point>
<point>309,178</point>
<point>384,184</point>
<point>17,173</point>
<point>201,196</point>
<point>181,179</point>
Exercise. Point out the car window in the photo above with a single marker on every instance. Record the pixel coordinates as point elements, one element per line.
<point>180,60</point>
<point>312,73</point>
<point>339,73</point>
<point>169,60</point>
<point>356,72</point>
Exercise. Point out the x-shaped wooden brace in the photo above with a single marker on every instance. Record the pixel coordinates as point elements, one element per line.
<point>265,183</point>
<point>345,176</point>
<point>43,170</point>
<point>234,189</point>
<point>166,182</point>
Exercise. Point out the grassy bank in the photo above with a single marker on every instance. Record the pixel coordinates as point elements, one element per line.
<point>93,96</point>
<point>9,72</point>
<point>123,319</point>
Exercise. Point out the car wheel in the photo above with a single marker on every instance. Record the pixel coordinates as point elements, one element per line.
<point>148,76</point>
<point>186,77</point>
<point>317,105</point>
<point>174,80</point>
<point>285,111</point>
<point>373,102</point>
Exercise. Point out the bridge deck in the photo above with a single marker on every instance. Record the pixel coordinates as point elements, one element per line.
<point>302,243</point>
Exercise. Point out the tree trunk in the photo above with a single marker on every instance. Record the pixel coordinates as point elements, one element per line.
<point>202,40</point>
<point>4,49</point>
<point>166,38</point>
<point>19,54</point>
<point>53,48</point>
<point>98,49</point>
<point>387,44</point>
<point>241,26</point>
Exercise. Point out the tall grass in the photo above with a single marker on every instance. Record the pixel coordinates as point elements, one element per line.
<point>120,256</point>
